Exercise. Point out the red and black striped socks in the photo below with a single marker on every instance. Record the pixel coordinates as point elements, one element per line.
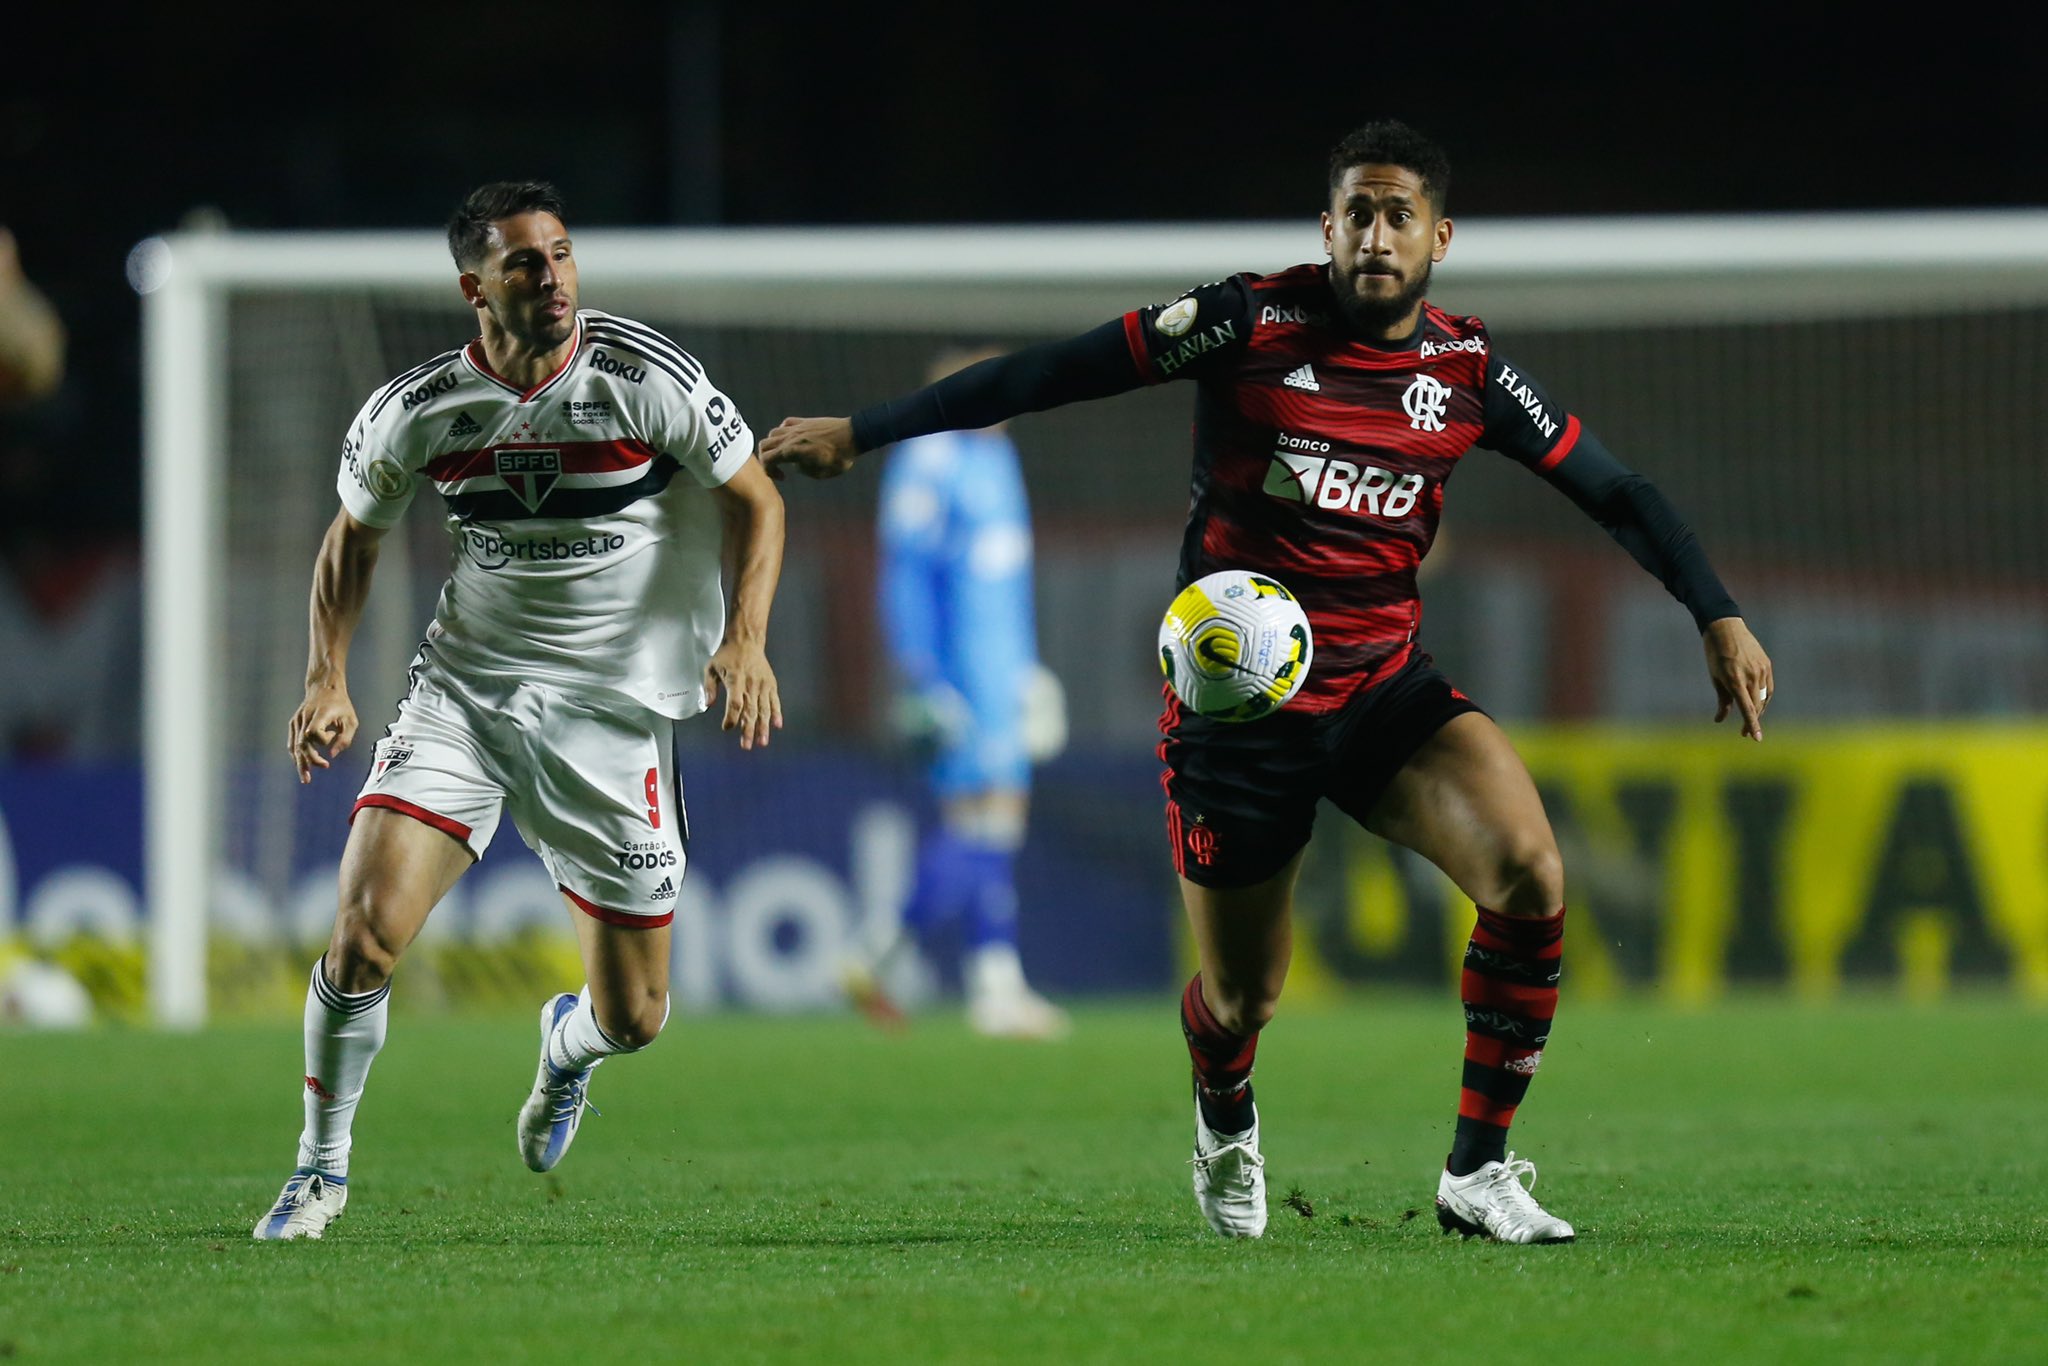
<point>1223,1064</point>
<point>1510,990</point>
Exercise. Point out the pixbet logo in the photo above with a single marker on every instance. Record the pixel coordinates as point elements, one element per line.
<point>1432,347</point>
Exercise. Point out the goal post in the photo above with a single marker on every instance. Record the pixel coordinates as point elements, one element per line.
<point>257,346</point>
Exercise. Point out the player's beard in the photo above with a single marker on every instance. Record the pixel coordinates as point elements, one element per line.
<point>1378,314</point>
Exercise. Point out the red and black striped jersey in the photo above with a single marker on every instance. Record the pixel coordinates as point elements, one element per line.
<point>1321,457</point>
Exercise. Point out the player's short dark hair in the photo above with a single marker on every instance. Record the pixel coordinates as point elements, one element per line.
<point>469,227</point>
<point>1389,142</point>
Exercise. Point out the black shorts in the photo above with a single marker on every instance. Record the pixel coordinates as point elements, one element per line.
<point>1241,798</point>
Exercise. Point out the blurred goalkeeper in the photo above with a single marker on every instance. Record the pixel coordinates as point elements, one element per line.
<point>956,607</point>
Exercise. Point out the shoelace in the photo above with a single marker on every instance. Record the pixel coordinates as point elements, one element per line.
<point>1511,1192</point>
<point>297,1192</point>
<point>571,1098</point>
<point>1248,1156</point>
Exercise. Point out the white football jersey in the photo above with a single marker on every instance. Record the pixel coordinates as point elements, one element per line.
<point>580,560</point>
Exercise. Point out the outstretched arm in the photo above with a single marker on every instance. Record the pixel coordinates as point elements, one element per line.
<point>341,585</point>
<point>1525,424</point>
<point>1095,364</point>
<point>1645,524</point>
<point>750,510</point>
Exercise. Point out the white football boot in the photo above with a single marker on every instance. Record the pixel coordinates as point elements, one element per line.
<point>1230,1179</point>
<point>1493,1203</point>
<point>554,1109</point>
<point>309,1202</point>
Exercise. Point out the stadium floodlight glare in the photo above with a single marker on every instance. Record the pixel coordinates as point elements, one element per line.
<point>260,344</point>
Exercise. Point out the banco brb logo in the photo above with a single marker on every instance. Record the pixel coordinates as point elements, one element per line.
<point>1424,403</point>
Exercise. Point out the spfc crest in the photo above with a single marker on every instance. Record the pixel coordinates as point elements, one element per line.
<point>529,474</point>
<point>390,754</point>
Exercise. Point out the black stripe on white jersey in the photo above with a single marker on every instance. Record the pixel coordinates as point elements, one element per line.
<point>674,361</point>
<point>648,337</point>
<point>397,386</point>
<point>619,341</point>
<point>502,505</point>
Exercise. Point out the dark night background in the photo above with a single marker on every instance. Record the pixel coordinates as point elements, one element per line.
<point>804,115</point>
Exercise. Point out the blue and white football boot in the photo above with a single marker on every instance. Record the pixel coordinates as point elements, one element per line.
<point>549,1119</point>
<point>310,1201</point>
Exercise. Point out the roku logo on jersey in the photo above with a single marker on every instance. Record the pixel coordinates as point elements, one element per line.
<point>442,385</point>
<point>1341,486</point>
<point>612,365</point>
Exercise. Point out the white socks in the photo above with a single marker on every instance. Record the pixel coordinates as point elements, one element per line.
<point>579,1041</point>
<point>343,1034</point>
<point>994,972</point>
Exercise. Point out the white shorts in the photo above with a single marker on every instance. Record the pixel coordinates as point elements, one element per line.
<point>592,786</point>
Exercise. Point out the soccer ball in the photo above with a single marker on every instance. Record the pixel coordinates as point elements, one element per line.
<point>1235,645</point>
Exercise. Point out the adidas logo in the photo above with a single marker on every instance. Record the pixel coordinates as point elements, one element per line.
<point>465,425</point>
<point>1304,378</point>
<point>666,891</point>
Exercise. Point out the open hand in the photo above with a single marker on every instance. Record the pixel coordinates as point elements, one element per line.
<point>753,706</point>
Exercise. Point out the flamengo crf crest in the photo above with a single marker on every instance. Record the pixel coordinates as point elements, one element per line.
<point>530,474</point>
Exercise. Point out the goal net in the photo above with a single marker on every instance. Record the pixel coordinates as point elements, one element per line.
<point>1853,430</point>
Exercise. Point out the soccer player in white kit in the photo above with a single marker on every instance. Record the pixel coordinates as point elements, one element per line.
<point>593,477</point>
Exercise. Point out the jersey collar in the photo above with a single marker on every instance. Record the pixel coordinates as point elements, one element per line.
<point>474,354</point>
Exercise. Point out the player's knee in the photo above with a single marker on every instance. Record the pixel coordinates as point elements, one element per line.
<point>1532,878</point>
<point>1242,1008</point>
<point>361,956</point>
<point>637,1023</point>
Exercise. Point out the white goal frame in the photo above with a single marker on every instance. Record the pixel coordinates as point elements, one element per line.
<point>1585,272</point>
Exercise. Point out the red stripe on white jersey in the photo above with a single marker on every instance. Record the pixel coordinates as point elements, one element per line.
<point>578,457</point>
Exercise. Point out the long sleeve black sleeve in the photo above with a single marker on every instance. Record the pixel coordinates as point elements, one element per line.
<point>1525,424</point>
<point>1096,364</point>
<point>1645,524</point>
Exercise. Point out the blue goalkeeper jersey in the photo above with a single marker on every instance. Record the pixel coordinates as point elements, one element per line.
<point>956,592</point>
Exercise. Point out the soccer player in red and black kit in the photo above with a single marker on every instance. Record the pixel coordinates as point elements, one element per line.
<point>1331,405</point>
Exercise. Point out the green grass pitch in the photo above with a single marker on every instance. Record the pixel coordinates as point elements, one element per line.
<point>1759,1181</point>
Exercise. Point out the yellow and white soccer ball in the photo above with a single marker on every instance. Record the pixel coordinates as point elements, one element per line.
<point>1235,645</point>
